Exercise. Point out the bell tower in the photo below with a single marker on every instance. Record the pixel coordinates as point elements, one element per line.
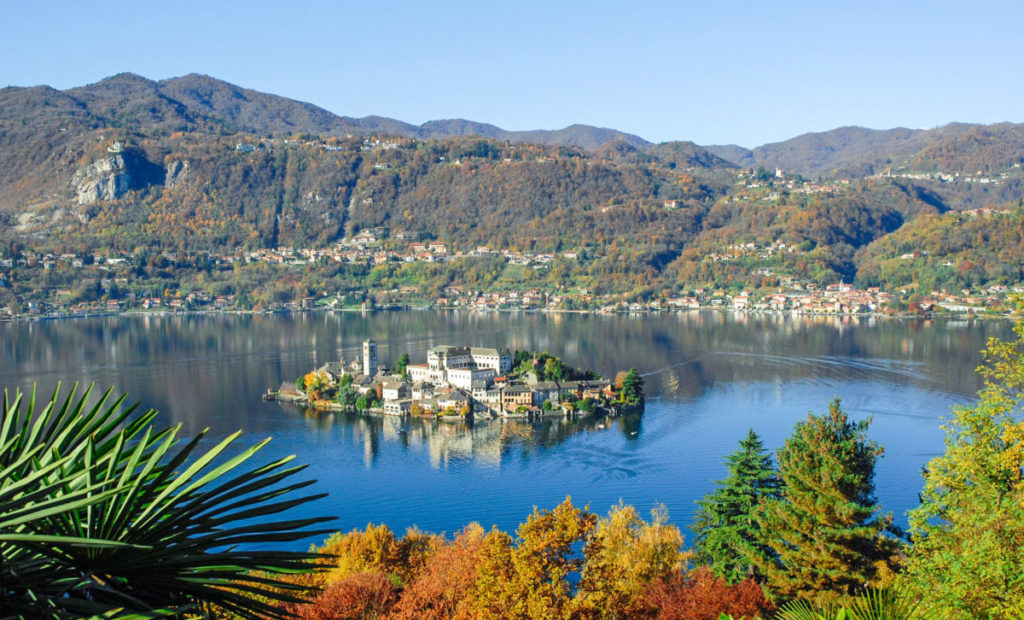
<point>369,357</point>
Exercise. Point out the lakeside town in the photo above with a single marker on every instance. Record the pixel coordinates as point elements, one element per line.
<point>461,382</point>
<point>112,284</point>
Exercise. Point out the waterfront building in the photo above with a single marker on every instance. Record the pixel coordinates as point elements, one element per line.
<point>515,396</point>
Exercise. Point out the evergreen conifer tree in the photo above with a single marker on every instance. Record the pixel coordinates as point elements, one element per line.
<point>633,387</point>
<point>726,534</point>
<point>825,529</point>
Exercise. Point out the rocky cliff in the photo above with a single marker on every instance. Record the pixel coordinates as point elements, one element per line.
<point>112,176</point>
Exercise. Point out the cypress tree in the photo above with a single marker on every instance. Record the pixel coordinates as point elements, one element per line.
<point>726,534</point>
<point>825,529</point>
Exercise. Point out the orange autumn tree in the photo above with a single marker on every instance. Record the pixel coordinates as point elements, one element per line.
<point>443,586</point>
<point>700,595</point>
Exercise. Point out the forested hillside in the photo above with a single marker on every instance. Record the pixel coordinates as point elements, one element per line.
<point>193,164</point>
<point>857,151</point>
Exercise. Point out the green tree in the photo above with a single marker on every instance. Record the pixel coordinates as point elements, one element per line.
<point>968,532</point>
<point>555,370</point>
<point>726,533</point>
<point>403,363</point>
<point>825,529</point>
<point>632,387</point>
<point>347,395</point>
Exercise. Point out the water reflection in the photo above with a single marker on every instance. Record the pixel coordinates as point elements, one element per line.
<point>447,443</point>
<point>710,377</point>
<point>183,359</point>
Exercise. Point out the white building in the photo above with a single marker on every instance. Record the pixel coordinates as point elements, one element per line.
<point>499,360</point>
<point>370,357</point>
<point>394,390</point>
<point>447,356</point>
<point>397,407</point>
<point>469,370</point>
<point>465,377</point>
<point>423,372</point>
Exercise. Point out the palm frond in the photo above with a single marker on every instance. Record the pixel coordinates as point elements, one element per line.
<point>103,515</point>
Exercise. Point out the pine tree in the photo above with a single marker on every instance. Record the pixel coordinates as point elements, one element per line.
<point>633,387</point>
<point>726,534</point>
<point>825,530</point>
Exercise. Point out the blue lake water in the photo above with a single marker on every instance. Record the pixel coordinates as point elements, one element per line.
<point>710,377</point>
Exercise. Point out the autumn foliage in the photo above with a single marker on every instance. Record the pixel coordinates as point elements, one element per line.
<point>561,563</point>
<point>362,595</point>
<point>445,580</point>
<point>700,594</point>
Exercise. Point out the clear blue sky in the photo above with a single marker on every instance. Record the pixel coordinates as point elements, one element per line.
<point>715,72</point>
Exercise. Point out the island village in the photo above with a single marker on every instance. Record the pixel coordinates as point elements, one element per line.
<point>460,382</point>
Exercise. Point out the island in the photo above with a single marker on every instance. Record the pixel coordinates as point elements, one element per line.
<point>462,382</point>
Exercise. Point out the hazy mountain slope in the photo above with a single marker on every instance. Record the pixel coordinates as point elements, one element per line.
<point>687,155</point>
<point>972,148</point>
<point>580,136</point>
<point>461,127</point>
<point>846,151</point>
<point>855,151</point>
<point>742,157</point>
<point>250,111</point>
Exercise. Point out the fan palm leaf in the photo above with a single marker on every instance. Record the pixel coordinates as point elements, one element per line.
<point>101,514</point>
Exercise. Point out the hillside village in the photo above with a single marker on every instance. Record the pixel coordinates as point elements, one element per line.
<point>64,282</point>
<point>112,281</point>
<point>463,382</point>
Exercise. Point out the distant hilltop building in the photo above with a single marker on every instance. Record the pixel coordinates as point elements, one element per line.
<point>370,365</point>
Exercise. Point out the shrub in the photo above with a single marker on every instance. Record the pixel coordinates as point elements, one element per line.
<point>700,595</point>
<point>357,597</point>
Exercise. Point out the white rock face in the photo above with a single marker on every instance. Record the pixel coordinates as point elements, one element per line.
<point>175,172</point>
<point>103,179</point>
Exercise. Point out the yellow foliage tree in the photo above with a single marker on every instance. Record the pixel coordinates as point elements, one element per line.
<point>530,578</point>
<point>622,557</point>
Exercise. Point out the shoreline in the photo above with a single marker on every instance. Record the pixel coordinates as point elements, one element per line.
<point>301,402</point>
<point>632,313</point>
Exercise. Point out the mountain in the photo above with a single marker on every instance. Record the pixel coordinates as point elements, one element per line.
<point>585,137</point>
<point>198,101</point>
<point>202,163</point>
<point>54,144</point>
<point>688,155</point>
<point>195,163</point>
<point>856,151</point>
<point>201,103</point>
<point>733,153</point>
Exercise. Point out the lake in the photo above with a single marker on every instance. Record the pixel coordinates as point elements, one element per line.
<point>709,378</point>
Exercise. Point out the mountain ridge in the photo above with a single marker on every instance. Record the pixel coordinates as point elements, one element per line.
<point>198,102</point>
<point>197,164</point>
<point>257,112</point>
